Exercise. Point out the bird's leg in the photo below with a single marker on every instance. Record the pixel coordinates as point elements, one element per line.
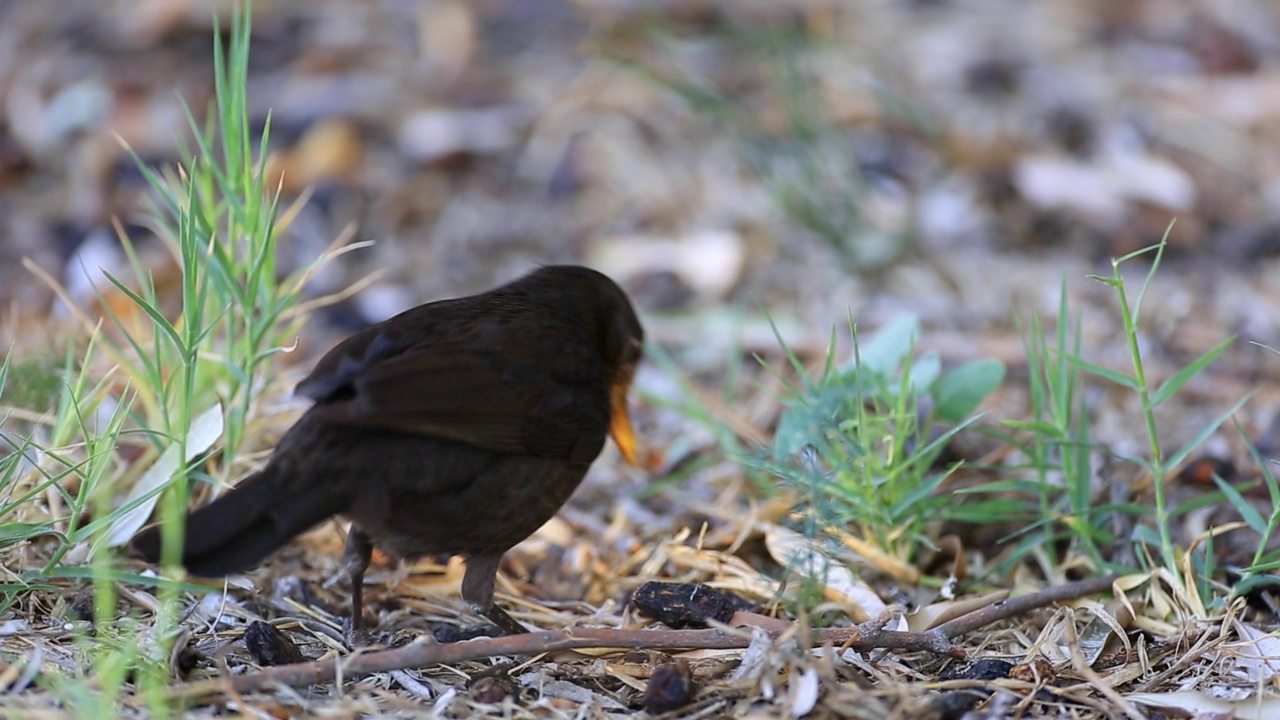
<point>356,554</point>
<point>477,591</point>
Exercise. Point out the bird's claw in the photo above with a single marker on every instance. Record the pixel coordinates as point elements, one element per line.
<point>496,615</point>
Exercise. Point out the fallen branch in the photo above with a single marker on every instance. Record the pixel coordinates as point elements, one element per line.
<point>421,654</point>
<point>865,637</point>
<point>1023,603</point>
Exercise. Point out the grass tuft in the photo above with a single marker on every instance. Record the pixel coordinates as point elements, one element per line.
<point>160,395</point>
<point>860,444</point>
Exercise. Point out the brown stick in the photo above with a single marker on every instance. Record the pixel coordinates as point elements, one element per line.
<point>1023,603</point>
<point>424,655</point>
<point>865,637</point>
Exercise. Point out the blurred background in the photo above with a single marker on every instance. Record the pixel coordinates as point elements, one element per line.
<point>956,159</point>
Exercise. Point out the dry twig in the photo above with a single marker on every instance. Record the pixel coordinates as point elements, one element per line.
<point>865,637</point>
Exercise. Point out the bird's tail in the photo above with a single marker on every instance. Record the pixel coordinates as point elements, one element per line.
<point>239,529</point>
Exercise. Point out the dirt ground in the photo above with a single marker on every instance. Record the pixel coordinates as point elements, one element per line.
<point>729,163</point>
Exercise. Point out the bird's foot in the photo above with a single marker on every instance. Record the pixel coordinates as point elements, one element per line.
<point>505,622</point>
<point>356,635</point>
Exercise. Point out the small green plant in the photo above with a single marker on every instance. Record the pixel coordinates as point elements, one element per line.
<point>1260,572</point>
<point>70,451</point>
<point>1060,451</point>
<point>860,445</point>
<point>1161,464</point>
<point>219,218</point>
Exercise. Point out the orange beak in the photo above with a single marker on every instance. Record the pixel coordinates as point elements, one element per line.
<point>620,424</point>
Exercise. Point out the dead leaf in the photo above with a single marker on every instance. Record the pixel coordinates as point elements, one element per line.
<point>205,430</point>
<point>804,556</point>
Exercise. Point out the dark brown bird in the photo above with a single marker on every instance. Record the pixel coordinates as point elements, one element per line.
<point>458,427</point>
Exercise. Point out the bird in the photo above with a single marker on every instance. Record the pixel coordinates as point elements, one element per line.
<point>459,426</point>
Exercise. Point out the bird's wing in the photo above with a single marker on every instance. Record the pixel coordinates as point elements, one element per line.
<point>474,387</point>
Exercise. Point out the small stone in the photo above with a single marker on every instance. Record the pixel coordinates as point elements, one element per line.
<point>670,688</point>
<point>269,646</point>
